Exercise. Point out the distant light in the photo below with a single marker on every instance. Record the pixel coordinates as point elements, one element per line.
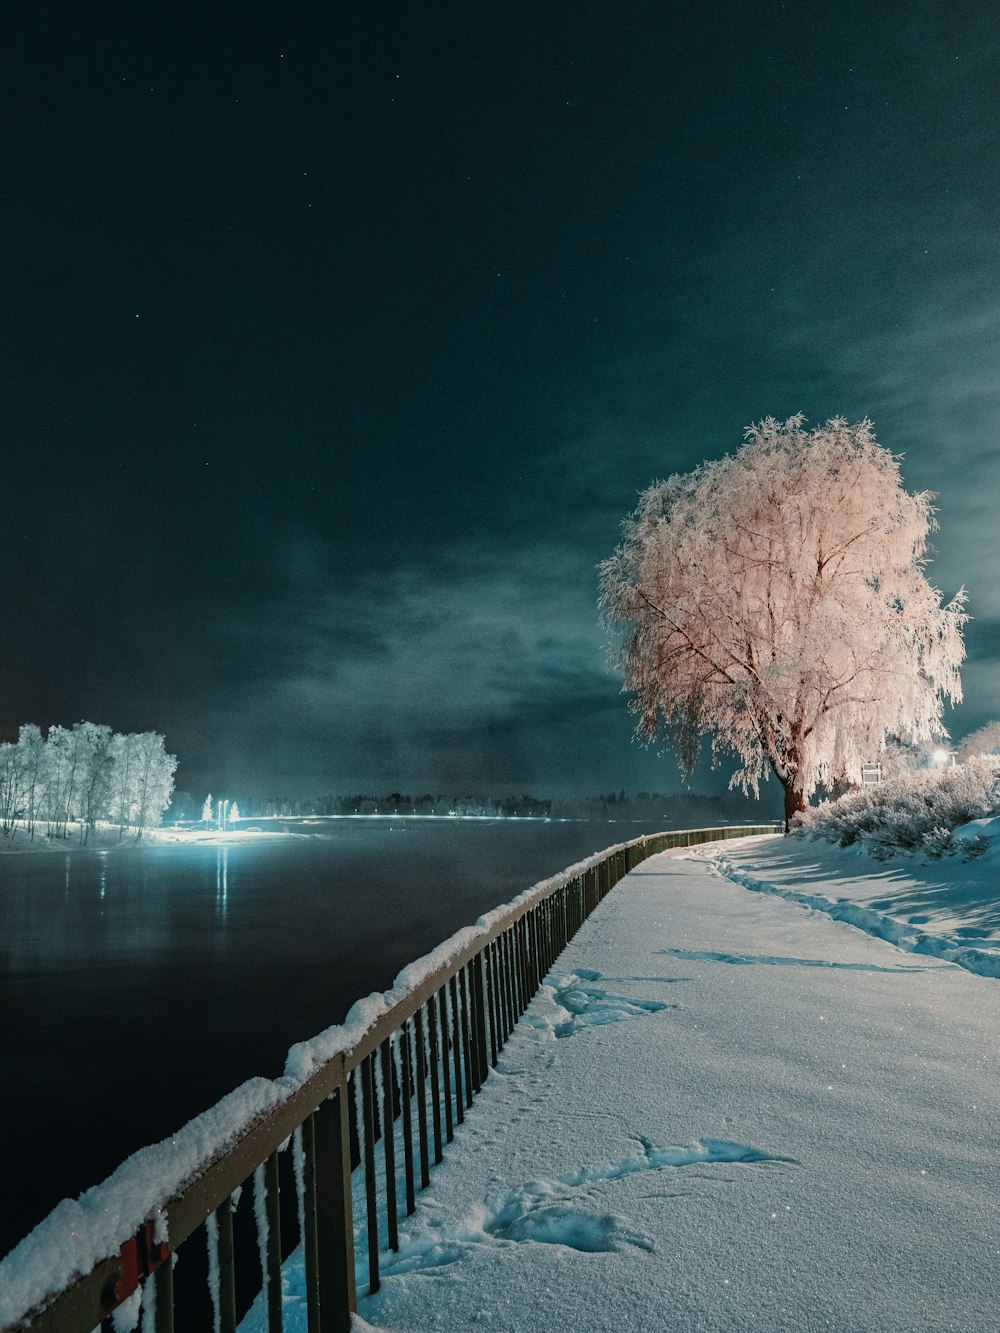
<point>941,757</point>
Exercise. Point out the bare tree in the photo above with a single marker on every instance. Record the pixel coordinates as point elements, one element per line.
<point>776,601</point>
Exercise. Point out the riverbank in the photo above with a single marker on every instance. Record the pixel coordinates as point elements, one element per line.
<point>106,838</point>
<point>724,1110</point>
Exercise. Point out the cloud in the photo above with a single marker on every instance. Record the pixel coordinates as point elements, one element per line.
<point>486,668</point>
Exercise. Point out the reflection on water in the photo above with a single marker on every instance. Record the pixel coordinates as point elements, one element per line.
<point>135,989</point>
<point>222,880</point>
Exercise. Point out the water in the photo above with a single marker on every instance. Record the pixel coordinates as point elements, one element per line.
<point>138,986</point>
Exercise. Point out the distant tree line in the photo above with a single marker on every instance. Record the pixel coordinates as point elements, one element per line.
<point>83,775</point>
<point>685,808</point>
<point>401,803</point>
<point>679,807</point>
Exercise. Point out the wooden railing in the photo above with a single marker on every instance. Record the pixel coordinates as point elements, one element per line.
<point>398,1092</point>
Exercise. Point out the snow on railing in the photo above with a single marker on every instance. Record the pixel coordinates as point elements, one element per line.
<point>348,1097</point>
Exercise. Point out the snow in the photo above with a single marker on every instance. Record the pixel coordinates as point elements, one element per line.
<point>212,1238</point>
<point>724,1111</point>
<point>946,908</point>
<point>261,1223</point>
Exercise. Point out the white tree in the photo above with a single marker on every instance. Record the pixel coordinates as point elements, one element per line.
<point>984,741</point>
<point>65,751</point>
<point>11,786</point>
<point>776,601</point>
<point>234,814</point>
<point>207,809</point>
<point>122,798</point>
<point>95,774</point>
<point>31,745</point>
<point>154,780</point>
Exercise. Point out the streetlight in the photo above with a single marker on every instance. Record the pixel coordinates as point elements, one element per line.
<point>940,758</point>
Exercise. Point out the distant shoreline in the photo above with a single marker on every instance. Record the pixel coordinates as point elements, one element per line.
<point>105,838</point>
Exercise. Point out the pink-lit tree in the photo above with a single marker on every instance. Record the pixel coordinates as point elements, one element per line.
<point>776,601</point>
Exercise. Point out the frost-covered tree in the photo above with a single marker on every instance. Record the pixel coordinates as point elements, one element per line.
<point>154,780</point>
<point>31,746</point>
<point>207,809</point>
<point>11,786</point>
<point>776,601</point>
<point>122,797</point>
<point>96,776</point>
<point>67,759</point>
<point>984,741</point>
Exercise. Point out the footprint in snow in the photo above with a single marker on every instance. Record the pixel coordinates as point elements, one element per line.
<point>775,960</point>
<point>552,1212</point>
<point>568,1004</point>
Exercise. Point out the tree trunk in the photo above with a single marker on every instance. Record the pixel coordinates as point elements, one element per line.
<point>795,801</point>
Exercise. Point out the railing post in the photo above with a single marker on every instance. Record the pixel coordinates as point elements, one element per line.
<point>164,1279</point>
<point>227,1267</point>
<point>456,1049</point>
<point>470,1078</point>
<point>449,1125</point>
<point>477,1073</point>
<point>489,962</point>
<point>334,1216</point>
<point>515,977</point>
<point>309,1241</point>
<point>501,989</point>
<point>389,1141</point>
<point>366,1072</point>
<point>406,1095</point>
<point>432,1034</point>
<point>421,1052</point>
<point>272,1209</point>
<point>479,993</point>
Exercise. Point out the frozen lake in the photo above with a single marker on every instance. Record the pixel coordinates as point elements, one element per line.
<point>139,986</point>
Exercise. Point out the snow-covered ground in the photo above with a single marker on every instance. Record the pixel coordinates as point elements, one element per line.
<point>948,908</point>
<point>727,1110</point>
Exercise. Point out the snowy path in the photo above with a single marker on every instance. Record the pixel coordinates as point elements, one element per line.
<point>725,1112</point>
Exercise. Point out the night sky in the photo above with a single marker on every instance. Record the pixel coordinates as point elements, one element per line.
<point>338,340</point>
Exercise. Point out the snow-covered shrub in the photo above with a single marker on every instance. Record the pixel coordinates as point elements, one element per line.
<point>984,741</point>
<point>914,812</point>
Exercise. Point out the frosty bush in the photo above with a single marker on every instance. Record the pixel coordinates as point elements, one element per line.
<point>984,741</point>
<point>916,812</point>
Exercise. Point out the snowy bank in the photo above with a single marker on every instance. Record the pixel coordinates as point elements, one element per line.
<point>106,838</point>
<point>947,909</point>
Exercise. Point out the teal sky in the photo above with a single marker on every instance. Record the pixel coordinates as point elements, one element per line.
<point>337,346</point>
